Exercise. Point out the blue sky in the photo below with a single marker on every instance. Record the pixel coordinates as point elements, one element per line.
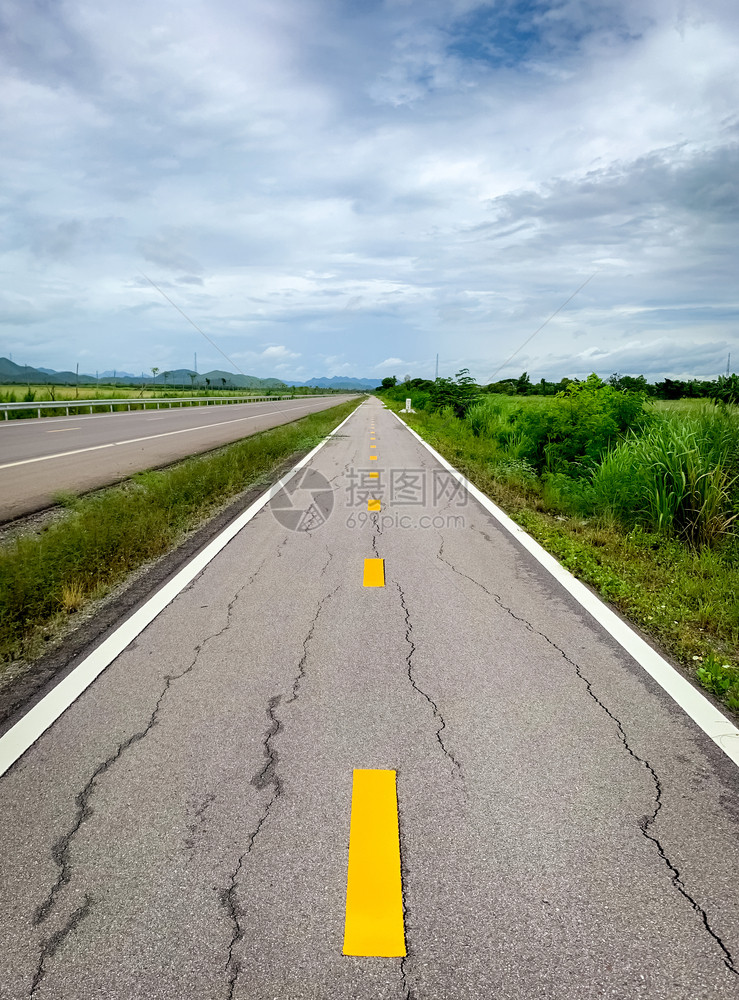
<point>333,188</point>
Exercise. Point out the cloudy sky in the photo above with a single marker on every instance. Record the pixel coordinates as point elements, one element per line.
<point>347,187</point>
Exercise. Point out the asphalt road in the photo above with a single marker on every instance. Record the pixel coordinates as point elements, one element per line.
<point>39,458</point>
<point>182,830</point>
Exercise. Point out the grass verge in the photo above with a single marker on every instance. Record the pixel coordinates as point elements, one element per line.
<point>45,578</point>
<point>686,599</point>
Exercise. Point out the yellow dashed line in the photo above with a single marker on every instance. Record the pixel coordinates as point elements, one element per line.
<point>374,475</point>
<point>373,505</point>
<point>374,573</point>
<point>374,894</point>
<point>373,458</point>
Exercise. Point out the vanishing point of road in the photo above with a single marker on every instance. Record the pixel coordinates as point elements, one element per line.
<point>562,829</point>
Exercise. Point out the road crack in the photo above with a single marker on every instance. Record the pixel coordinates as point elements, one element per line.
<point>306,642</point>
<point>326,565</point>
<point>648,821</point>
<point>62,848</point>
<point>50,944</point>
<point>404,877</point>
<point>266,778</point>
<point>457,767</point>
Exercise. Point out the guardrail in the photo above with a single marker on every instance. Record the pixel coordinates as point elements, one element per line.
<point>77,405</point>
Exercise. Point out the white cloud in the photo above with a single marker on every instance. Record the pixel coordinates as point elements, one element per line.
<point>349,182</point>
<point>279,353</point>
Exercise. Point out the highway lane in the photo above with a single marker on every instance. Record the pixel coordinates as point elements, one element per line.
<point>182,830</point>
<point>39,458</point>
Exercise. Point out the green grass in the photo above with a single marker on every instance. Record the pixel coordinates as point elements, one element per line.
<point>104,537</point>
<point>684,595</point>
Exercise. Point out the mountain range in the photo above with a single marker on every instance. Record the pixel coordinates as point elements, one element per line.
<point>12,373</point>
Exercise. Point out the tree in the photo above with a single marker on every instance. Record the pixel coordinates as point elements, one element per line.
<point>725,389</point>
<point>207,383</point>
<point>628,383</point>
<point>458,393</point>
<point>523,384</point>
<point>388,383</point>
<point>193,376</point>
<point>223,382</point>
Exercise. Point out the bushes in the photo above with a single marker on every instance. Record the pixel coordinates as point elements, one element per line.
<point>596,451</point>
<point>572,434</point>
<point>675,575</point>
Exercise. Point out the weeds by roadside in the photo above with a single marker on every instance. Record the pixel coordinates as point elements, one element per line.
<point>650,526</point>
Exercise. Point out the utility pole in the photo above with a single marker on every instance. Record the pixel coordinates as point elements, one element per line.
<point>728,364</point>
<point>77,383</point>
<point>195,362</point>
<point>437,366</point>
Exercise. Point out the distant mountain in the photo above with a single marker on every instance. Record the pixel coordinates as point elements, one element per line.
<point>340,382</point>
<point>181,377</point>
<point>237,381</point>
<point>11,372</point>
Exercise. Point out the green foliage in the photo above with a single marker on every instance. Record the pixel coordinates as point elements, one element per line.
<point>572,434</point>
<point>458,394</point>
<point>720,679</point>
<point>678,477</point>
<point>725,389</point>
<point>627,383</point>
<point>684,595</point>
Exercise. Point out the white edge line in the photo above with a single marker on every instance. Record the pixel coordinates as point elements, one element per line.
<point>35,723</point>
<point>713,722</point>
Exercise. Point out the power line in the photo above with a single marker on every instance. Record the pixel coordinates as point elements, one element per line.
<point>528,339</point>
<point>211,342</point>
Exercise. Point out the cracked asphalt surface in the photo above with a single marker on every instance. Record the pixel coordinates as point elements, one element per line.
<point>182,830</point>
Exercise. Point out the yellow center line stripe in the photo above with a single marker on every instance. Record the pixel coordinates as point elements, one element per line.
<point>374,892</point>
<point>374,573</point>
<point>373,505</point>
<point>373,446</point>
<point>374,475</point>
<point>373,458</point>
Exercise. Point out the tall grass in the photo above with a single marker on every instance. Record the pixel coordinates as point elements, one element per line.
<point>650,526</point>
<point>678,477</point>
